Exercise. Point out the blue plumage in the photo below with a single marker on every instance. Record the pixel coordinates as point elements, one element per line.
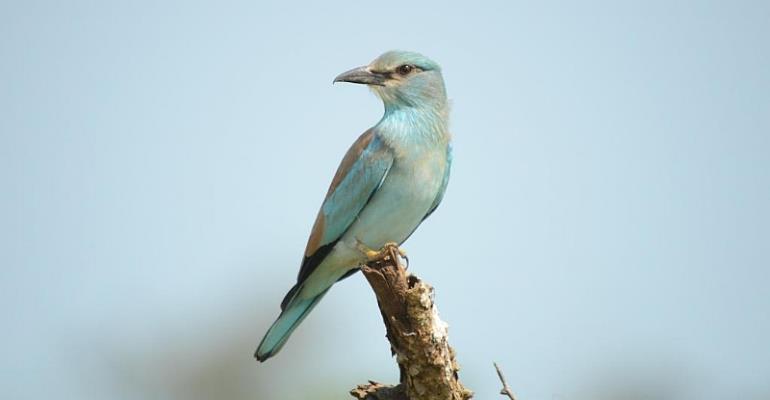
<point>391,179</point>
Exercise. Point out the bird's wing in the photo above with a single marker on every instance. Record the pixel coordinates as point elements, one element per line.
<point>444,182</point>
<point>362,171</point>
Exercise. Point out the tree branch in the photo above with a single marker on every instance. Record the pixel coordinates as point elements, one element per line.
<point>506,390</point>
<point>417,336</point>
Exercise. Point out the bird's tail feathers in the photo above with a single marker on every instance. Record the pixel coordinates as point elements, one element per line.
<point>294,311</point>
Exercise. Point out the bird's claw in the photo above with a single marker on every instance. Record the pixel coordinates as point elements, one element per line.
<point>390,249</point>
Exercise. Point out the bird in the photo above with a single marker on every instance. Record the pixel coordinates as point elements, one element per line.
<point>390,180</point>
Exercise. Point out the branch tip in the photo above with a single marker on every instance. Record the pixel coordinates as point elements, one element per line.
<point>506,390</point>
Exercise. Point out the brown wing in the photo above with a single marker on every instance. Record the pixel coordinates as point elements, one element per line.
<point>353,153</point>
<point>358,177</point>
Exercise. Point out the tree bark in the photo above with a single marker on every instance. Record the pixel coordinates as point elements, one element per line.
<point>417,336</point>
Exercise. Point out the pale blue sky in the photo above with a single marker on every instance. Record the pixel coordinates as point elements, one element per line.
<point>608,217</point>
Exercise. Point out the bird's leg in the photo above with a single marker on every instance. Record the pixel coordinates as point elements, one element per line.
<point>394,251</point>
<point>390,249</point>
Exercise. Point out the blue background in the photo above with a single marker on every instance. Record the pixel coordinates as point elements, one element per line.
<point>605,234</point>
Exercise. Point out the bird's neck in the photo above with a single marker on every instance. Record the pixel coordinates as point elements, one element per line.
<point>413,128</point>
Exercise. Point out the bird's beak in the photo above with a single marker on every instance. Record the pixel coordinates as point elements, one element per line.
<point>362,75</point>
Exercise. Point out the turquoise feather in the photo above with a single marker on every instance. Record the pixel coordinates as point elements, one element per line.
<point>391,179</point>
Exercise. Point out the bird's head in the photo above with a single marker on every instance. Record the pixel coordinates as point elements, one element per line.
<point>401,79</point>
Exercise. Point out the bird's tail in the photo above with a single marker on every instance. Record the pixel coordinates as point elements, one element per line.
<point>293,313</point>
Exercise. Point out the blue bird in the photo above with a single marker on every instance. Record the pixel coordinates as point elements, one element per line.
<point>391,179</point>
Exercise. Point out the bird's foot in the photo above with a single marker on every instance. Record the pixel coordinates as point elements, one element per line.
<point>389,250</point>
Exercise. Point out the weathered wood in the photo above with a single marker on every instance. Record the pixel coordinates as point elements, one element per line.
<point>417,336</point>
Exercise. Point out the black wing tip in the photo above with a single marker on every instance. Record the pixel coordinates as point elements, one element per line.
<point>309,263</point>
<point>289,296</point>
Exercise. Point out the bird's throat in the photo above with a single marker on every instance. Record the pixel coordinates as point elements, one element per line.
<point>406,127</point>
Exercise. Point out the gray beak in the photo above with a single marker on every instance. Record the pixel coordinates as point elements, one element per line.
<point>362,75</point>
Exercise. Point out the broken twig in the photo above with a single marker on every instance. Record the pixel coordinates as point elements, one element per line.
<point>506,390</point>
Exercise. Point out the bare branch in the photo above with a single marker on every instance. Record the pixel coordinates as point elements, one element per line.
<point>417,336</point>
<point>506,390</point>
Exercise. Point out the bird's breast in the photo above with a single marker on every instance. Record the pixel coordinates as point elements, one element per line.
<point>402,201</point>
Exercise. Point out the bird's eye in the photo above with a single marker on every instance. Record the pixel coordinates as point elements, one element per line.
<point>404,69</point>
